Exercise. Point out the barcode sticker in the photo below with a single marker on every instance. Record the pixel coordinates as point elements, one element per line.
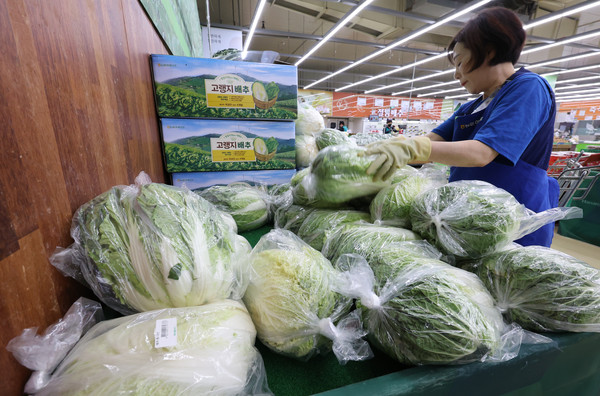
<point>165,333</point>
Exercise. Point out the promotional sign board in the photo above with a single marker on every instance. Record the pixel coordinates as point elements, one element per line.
<point>219,145</point>
<point>217,88</point>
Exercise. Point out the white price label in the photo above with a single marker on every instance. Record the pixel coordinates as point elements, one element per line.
<point>165,333</point>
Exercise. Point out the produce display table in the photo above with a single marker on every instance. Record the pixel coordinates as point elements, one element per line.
<point>570,365</point>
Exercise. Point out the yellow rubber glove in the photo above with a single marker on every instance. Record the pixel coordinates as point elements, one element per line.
<point>395,153</point>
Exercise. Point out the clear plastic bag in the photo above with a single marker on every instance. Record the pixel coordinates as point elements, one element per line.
<point>338,174</point>
<point>248,205</point>
<point>391,206</point>
<point>292,304</point>
<point>368,240</point>
<point>150,246</point>
<point>471,218</point>
<point>542,289</point>
<point>204,350</point>
<point>428,312</point>
<point>42,353</point>
<point>319,223</point>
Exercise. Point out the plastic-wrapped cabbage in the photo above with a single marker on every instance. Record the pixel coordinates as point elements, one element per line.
<point>364,239</point>
<point>392,205</point>
<point>402,173</point>
<point>309,121</point>
<point>320,222</point>
<point>205,350</point>
<point>306,150</point>
<point>300,194</point>
<point>331,137</point>
<point>339,174</point>
<point>543,289</point>
<point>279,196</point>
<point>290,297</point>
<point>291,218</point>
<point>152,246</point>
<point>246,204</point>
<point>427,312</point>
<point>471,218</point>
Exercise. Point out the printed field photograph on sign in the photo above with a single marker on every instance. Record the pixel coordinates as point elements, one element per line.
<point>198,181</point>
<point>224,145</point>
<point>216,88</point>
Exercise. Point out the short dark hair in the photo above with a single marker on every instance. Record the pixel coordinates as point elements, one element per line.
<point>493,29</point>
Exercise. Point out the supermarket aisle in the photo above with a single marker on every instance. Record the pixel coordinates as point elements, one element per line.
<point>581,250</point>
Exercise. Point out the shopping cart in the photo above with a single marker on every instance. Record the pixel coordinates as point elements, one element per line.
<point>575,178</point>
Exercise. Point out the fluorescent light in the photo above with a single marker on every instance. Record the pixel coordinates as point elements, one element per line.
<point>409,81</point>
<point>561,14</point>
<point>578,79</point>
<point>412,36</point>
<point>571,58</point>
<point>562,42</point>
<point>439,92</point>
<point>570,70</point>
<point>584,91</point>
<point>259,9</point>
<point>457,96</point>
<point>577,86</point>
<point>577,96</point>
<point>335,29</point>
<point>387,73</point>
<point>427,87</point>
<point>593,98</point>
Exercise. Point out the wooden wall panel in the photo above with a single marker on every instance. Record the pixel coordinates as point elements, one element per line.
<point>76,118</point>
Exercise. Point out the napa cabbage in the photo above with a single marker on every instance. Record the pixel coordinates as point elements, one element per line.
<point>152,246</point>
<point>542,289</point>
<point>290,296</point>
<point>246,204</point>
<point>213,354</point>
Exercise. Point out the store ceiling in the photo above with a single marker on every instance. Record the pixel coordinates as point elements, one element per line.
<point>293,27</point>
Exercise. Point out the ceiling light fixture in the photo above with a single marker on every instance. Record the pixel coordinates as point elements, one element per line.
<point>428,87</point>
<point>571,70</point>
<point>387,73</point>
<point>257,13</point>
<point>590,99</point>
<point>567,59</point>
<point>576,86</point>
<point>565,12</point>
<point>440,92</point>
<point>578,79</point>
<point>583,91</point>
<point>409,81</point>
<point>563,42</point>
<point>411,36</point>
<point>459,96</point>
<point>341,23</point>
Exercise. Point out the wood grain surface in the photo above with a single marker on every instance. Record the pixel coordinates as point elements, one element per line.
<point>76,117</point>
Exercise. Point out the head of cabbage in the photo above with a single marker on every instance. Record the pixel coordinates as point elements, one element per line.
<point>213,353</point>
<point>290,294</point>
<point>153,246</point>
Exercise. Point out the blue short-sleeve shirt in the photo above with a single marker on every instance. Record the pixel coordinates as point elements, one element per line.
<point>519,125</point>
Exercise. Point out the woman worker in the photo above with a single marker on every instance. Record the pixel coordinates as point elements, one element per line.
<point>505,136</point>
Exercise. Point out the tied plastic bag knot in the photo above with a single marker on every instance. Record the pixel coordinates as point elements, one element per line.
<point>327,328</point>
<point>371,301</point>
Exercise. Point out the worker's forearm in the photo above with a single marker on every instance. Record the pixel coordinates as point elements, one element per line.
<point>467,153</point>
